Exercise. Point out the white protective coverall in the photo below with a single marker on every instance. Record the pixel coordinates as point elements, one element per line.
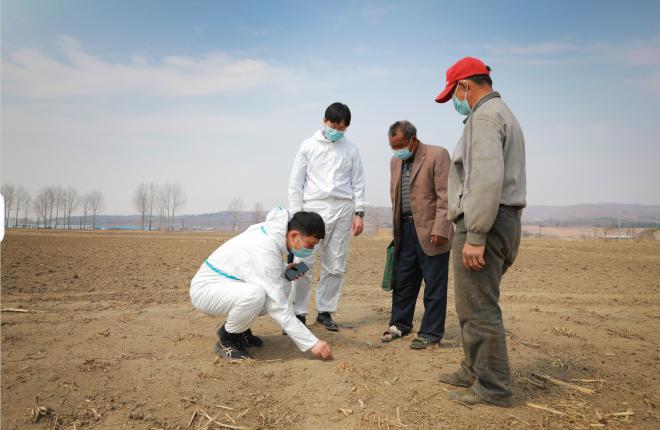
<point>245,277</point>
<point>326,178</point>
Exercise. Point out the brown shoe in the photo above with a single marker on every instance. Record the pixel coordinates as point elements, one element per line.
<point>455,380</point>
<point>472,399</point>
<point>469,399</point>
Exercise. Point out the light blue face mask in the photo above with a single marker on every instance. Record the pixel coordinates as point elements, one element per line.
<point>333,135</point>
<point>403,154</point>
<point>302,252</point>
<point>461,106</point>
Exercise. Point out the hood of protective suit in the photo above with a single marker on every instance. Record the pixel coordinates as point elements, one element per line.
<point>320,136</point>
<point>276,225</point>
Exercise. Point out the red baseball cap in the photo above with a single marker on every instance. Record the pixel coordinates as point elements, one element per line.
<point>463,68</point>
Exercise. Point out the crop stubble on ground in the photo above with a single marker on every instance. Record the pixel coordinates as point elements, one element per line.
<point>116,344</point>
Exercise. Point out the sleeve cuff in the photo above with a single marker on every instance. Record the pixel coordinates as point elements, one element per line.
<point>306,347</point>
<point>442,229</point>
<point>476,238</point>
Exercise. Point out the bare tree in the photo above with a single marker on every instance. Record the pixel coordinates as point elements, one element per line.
<point>152,197</point>
<point>87,208</point>
<point>141,201</point>
<point>165,201</point>
<point>95,205</point>
<point>177,197</point>
<point>59,202</point>
<point>235,208</point>
<point>42,206</point>
<point>9,193</point>
<point>171,198</point>
<point>71,203</point>
<point>258,212</point>
<point>50,202</point>
<point>26,208</point>
<point>21,197</point>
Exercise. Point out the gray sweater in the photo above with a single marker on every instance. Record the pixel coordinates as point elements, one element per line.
<point>488,167</point>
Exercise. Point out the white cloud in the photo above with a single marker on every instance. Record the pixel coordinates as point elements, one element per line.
<point>32,74</point>
<point>640,52</point>
<point>641,55</point>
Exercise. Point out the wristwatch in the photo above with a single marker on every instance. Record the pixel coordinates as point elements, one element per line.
<point>360,214</point>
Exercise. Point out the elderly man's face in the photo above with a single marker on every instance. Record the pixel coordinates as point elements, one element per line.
<point>399,141</point>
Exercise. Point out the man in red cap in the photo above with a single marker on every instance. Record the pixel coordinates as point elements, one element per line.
<point>486,193</point>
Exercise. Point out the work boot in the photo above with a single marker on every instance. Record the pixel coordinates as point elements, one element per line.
<point>230,345</point>
<point>455,379</point>
<point>302,318</point>
<point>325,319</point>
<point>250,340</point>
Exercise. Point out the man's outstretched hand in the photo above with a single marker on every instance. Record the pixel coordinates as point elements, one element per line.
<point>322,350</point>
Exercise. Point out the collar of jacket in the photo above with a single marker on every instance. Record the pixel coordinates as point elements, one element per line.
<point>484,99</point>
<point>420,153</point>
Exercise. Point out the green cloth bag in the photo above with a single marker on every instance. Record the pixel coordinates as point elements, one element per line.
<point>389,276</point>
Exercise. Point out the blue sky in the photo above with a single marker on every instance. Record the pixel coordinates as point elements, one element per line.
<point>219,95</point>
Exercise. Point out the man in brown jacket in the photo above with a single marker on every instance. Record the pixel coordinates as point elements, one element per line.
<point>422,234</point>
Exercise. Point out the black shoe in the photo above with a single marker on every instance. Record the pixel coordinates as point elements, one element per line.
<point>302,318</point>
<point>250,340</point>
<point>230,345</point>
<point>325,319</point>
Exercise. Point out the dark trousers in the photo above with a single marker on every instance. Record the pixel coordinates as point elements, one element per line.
<point>477,306</point>
<point>413,266</point>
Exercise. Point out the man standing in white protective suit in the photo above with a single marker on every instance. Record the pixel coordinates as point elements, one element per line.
<point>245,278</point>
<point>327,177</point>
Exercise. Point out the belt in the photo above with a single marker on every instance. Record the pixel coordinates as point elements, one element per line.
<point>408,218</point>
<point>517,208</point>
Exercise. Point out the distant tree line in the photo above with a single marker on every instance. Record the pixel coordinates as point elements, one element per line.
<point>52,206</point>
<point>157,205</point>
<point>150,199</point>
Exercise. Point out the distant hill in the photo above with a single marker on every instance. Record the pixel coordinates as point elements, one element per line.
<point>596,215</point>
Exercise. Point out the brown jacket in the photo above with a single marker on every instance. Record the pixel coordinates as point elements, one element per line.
<point>428,197</point>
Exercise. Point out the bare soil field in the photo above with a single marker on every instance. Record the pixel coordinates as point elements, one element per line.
<point>111,341</point>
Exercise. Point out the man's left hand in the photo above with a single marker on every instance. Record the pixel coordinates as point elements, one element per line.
<point>473,256</point>
<point>438,240</point>
<point>358,225</point>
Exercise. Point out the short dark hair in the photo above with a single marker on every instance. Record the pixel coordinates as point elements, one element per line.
<point>481,80</point>
<point>308,224</point>
<point>409,130</point>
<point>338,112</point>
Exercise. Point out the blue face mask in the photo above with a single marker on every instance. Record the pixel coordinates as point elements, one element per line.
<point>461,106</point>
<point>403,154</point>
<point>333,135</point>
<point>302,252</point>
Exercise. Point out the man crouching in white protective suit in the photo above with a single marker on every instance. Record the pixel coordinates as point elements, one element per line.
<point>327,177</point>
<point>245,278</point>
